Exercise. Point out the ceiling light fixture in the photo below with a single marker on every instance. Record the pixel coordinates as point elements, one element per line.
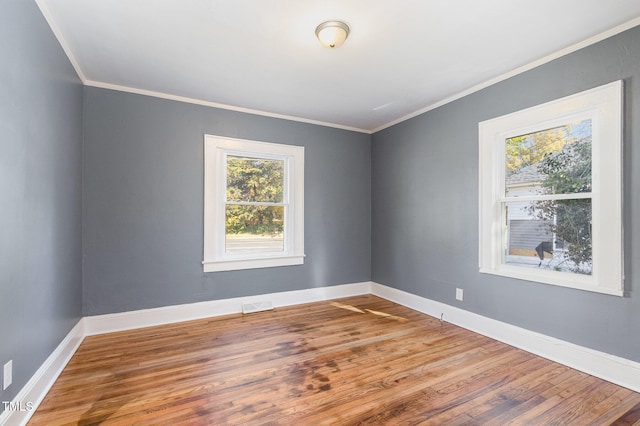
<point>332,33</point>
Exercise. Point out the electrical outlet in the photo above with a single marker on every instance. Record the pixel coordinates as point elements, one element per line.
<point>459,294</point>
<point>7,375</point>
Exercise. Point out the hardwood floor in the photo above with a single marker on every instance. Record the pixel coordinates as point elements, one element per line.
<point>360,360</point>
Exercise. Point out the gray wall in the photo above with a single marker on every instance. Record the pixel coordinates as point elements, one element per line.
<point>425,205</point>
<point>40,192</point>
<point>143,203</point>
<point>399,207</point>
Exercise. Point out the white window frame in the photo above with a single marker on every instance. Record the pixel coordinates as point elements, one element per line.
<point>603,105</point>
<point>216,150</point>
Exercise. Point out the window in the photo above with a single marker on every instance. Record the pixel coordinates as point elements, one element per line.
<point>551,192</point>
<point>253,204</point>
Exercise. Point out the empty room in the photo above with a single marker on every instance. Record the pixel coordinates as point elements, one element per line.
<point>219,212</point>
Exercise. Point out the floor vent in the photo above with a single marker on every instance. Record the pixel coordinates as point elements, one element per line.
<point>248,308</point>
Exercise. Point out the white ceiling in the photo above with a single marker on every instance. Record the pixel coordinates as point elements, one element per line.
<point>402,57</point>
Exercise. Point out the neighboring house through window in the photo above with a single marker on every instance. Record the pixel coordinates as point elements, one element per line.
<point>253,204</point>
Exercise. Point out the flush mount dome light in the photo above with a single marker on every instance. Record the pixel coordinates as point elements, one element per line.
<point>332,33</point>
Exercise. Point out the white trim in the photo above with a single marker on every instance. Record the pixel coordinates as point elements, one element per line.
<point>92,83</point>
<point>608,367</point>
<point>603,106</point>
<point>63,43</point>
<point>195,101</point>
<point>37,387</point>
<point>240,264</point>
<point>216,151</point>
<point>109,323</point>
<point>120,88</point>
<point>520,70</point>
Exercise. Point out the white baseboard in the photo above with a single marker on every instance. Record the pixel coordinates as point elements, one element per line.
<point>32,394</point>
<point>37,387</point>
<point>611,368</point>
<point>109,323</point>
<point>614,369</point>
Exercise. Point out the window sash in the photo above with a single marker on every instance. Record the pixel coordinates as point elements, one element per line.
<point>286,250</point>
<point>225,255</point>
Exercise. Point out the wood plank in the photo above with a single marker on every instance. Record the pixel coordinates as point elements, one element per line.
<point>358,360</point>
<point>630,417</point>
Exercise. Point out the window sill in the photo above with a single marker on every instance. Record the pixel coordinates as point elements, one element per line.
<point>240,264</point>
<point>579,282</point>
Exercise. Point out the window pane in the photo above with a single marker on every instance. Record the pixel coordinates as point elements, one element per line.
<point>254,229</point>
<point>255,180</point>
<point>553,161</point>
<point>549,234</point>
